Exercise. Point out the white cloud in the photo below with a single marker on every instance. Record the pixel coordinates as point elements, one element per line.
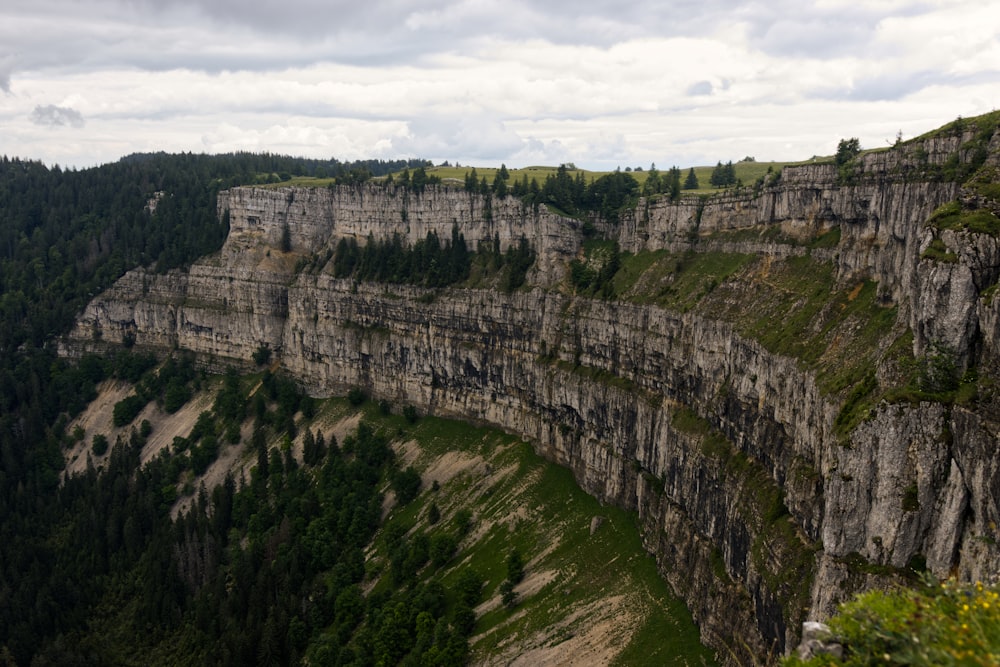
<point>6,68</point>
<point>51,115</point>
<point>593,82</point>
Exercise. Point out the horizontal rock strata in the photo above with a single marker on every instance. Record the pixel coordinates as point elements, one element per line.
<point>760,513</point>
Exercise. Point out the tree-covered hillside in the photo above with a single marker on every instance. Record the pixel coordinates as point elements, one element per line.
<point>64,236</point>
<point>292,556</point>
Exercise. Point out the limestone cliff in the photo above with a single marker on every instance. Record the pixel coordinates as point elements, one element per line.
<point>769,484</point>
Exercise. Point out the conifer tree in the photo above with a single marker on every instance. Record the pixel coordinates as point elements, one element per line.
<point>691,182</point>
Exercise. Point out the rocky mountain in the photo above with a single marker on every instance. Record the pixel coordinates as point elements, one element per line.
<point>793,383</point>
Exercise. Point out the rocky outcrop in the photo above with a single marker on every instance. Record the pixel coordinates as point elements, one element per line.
<point>314,219</point>
<point>761,513</point>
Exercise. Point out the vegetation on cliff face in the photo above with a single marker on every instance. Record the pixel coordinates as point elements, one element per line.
<point>429,263</point>
<point>792,306</point>
<point>955,216</point>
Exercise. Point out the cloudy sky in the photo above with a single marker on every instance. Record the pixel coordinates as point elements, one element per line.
<point>601,83</point>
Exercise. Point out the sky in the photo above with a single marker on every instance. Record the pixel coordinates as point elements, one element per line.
<point>599,83</point>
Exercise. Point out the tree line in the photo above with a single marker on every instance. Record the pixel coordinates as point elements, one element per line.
<point>723,175</point>
<point>427,262</point>
<point>430,262</point>
<point>607,196</point>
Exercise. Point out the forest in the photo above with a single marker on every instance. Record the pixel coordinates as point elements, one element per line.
<point>74,552</point>
<point>263,569</point>
<point>429,263</point>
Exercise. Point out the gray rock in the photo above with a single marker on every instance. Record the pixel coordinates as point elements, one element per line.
<point>595,384</point>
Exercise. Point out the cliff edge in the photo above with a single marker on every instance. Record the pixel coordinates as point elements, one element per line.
<point>793,384</point>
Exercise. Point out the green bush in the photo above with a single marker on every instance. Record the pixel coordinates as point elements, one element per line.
<point>469,587</point>
<point>99,445</point>
<point>507,594</point>
<point>204,454</point>
<point>515,567</point>
<point>463,521</point>
<point>176,395</point>
<point>938,251</point>
<point>406,484</point>
<point>127,409</point>
<point>442,549</point>
<point>262,355</point>
<point>356,396</point>
<point>947,623</point>
<point>410,413</point>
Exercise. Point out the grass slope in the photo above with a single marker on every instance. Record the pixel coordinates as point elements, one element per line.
<point>590,594</point>
<point>589,590</point>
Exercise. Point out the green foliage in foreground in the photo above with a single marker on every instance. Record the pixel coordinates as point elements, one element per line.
<point>939,624</point>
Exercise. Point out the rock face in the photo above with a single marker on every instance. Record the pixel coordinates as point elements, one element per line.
<point>316,218</point>
<point>760,513</point>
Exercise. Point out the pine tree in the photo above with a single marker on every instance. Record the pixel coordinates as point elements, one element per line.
<point>691,182</point>
<point>674,181</point>
<point>499,186</point>
<point>717,179</point>
<point>652,185</point>
<point>471,181</point>
<point>730,174</point>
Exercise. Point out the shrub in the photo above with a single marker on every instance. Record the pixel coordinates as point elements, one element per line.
<point>507,594</point>
<point>515,567</point>
<point>847,150</point>
<point>262,355</point>
<point>356,396</point>
<point>464,620</point>
<point>176,395</point>
<point>410,413</point>
<point>469,587</point>
<point>307,405</point>
<point>442,549</point>
<point>204,455</point>
<point>947,623</point>
<point>406,484</point>
<point>463,521</point>
<point>99,444</point>
<point>127,409</point>
<point>937,250</point>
